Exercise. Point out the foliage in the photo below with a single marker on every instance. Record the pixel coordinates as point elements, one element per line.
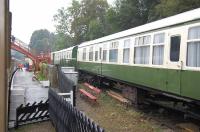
<point>91,19</point>
<point>41,41</point>
<point>61,41</point>
<point>42,74</point>
<point>129,13</point>
<point>166,8</point>
<point>83,20</point>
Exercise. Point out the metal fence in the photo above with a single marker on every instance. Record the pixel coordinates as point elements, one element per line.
<point>67,118</point>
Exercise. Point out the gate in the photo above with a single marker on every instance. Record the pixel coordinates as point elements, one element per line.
<point>32,113</point>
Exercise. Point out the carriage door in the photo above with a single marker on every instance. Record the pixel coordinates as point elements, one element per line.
<point>174,64</point>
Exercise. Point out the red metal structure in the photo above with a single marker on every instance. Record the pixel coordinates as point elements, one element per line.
<point>36,59</point>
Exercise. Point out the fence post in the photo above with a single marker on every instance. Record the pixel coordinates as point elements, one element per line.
<point>16,125</point>
<point>74,96</point>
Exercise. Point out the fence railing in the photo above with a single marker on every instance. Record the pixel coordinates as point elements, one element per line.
<point>67,118</point>
<point>34,112</point>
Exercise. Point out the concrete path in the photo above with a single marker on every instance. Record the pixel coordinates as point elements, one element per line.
<point>33,89</point>
<point>24,90</point>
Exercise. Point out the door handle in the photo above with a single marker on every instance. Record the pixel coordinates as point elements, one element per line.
<point>181,65</point>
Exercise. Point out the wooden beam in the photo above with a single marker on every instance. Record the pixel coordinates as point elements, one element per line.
<point>4,38</point>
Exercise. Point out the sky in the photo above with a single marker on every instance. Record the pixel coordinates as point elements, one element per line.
<point>31,15</point>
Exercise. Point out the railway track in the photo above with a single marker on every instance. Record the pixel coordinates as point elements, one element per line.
<point>168,118</point>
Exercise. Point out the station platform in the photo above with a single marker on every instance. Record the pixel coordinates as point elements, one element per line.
<point>24,90</point>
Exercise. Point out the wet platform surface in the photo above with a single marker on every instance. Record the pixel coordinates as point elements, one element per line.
<point>33,90</point>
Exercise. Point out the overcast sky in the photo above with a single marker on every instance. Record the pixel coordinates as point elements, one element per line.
<point>31,15</point>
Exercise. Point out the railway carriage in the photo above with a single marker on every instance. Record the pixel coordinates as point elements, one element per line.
<point>64,55</point>
<point>158,58</point>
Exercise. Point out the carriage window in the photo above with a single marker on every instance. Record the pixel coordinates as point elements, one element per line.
<point>158,49</point>
<point>96,55</point>
<point>193,47</point>
<point>113,52</point>
<point>84,54</point>
<point>175,48</point>
<point>100,52</point>
<point>142,50</point>
<point>104,55</point>
<point>91,54</point>
<point>126,51</point>
<point>104,52</point>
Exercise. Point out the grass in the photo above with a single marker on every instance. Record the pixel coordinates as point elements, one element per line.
<point>115,117</point>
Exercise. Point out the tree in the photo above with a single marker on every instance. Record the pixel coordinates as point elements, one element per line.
<point>83,20</point>
<point>41,41</point>
<point>166,8</point>
<point>62,21</point>
<point>129,13</point>
<point>93,14</point>
<point>90,19</point>
<point>95,30</point>
<point>62,41</point>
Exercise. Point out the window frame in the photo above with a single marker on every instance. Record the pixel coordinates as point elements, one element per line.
<point>114,46</point>
<point>126,48</point>
<point>84,54</point>
<point>105,48</point>
<point>137,44</point>
<point>154,44</point>
<point>187,42</point>
<point>177,35</point>
<point>91,53</point>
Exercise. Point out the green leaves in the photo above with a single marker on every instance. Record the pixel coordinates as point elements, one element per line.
<point>83,20</point>
<point>91,19</point>
<point>41,41</point>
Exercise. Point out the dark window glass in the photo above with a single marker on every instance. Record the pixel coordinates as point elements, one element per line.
<point>175,48</point>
